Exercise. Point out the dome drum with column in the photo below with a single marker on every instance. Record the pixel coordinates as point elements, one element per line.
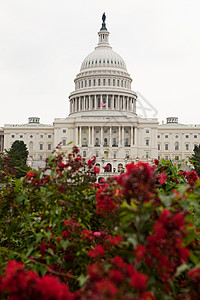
<point>103,82</point>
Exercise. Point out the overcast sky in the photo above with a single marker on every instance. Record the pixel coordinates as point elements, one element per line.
<point>43,43</point>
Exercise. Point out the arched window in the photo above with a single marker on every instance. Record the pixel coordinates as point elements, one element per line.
<point>120,168</point>
<point>186,146</point>
<point>177,146</point>
<point>64,142</point>
<point>84,142</point>
<point>108,168</point>
<point>31,146</point>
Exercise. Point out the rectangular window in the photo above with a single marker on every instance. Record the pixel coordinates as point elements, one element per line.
<point>104,81</point>
<point>99,81</point>
<point>158,136</point>
<point>12,136</point>
<point>97,153</point>
<point>114,130</point>
<point>187,136</point>
<point>166,147</point>
<point>113,82</point>
<point>98,103</point>
<point>195,136</point>
<point>117,82</point>
<point>49,146</point>
<point>84,153</point>
<point>85,83</point>
<point>108,81</point>
<point>89,82</point>
<point>21,136</point>
<point>41,136</point>
<point>49,136</point>
<point>64,130</point>
<point>147,131</point>
<point>41,146</point>
<point>64,142</point>
<point>94,82</point>
<point>158,146</point>
<point>147,142</point>
<point>158,157</point>
<point>166,157</point>
<point>40,157</point>
<point>166,136</point>
<point>187,146</point>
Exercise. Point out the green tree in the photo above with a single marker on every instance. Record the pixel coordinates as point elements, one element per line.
<point>195,159</point>
<point>18,154</point>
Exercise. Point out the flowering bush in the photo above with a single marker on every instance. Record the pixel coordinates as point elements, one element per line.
<point>133,236</point>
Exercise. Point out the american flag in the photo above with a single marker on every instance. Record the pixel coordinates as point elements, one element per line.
<point>103,104</point>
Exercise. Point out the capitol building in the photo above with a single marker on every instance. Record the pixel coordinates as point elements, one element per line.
<point>103,120</point>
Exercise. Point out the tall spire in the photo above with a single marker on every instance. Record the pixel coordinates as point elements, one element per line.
<point>103,27</point>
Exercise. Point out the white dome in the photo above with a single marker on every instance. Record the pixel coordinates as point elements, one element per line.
<point>102,57</point>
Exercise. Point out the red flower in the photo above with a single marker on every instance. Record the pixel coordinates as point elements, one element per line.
<point>90,163</point>
<point>96,170</point>
<point>106,289</point>
<point>139,281</point>
<point>98,251</point>
<point>96,185</point>
<point>139,252</point>
<point>147,296</point>
<point>156,162</point>
<point>115,241</point>
<point>163,178</point>
<point>30,175</point>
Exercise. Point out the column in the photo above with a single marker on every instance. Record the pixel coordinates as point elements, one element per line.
<point>118,104</point>
<point>135,136</point>
<point>101,142</point>
<point>111,136</point>
<point>119,138</point>
<point>80,136</point>
<point>132,136</point>
<point>92,136</point>
<point>106,102</point>
<point>100,101</point>
<point>76,136</point>
<point>70,106</point>
<point>95,102</point>
<point>89,137</point>
<point>112,102</point>
<point>89,102</point>
<point>79,103</point>
<point>123,142</point>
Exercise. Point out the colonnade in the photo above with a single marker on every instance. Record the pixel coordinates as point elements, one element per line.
<point>87,136</point>
<point>103,102</point>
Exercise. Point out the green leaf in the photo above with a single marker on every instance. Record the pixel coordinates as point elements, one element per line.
<point>64,244</point>
<point>165,199</point>
<point>181,269</point>
<point>82,279</point>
